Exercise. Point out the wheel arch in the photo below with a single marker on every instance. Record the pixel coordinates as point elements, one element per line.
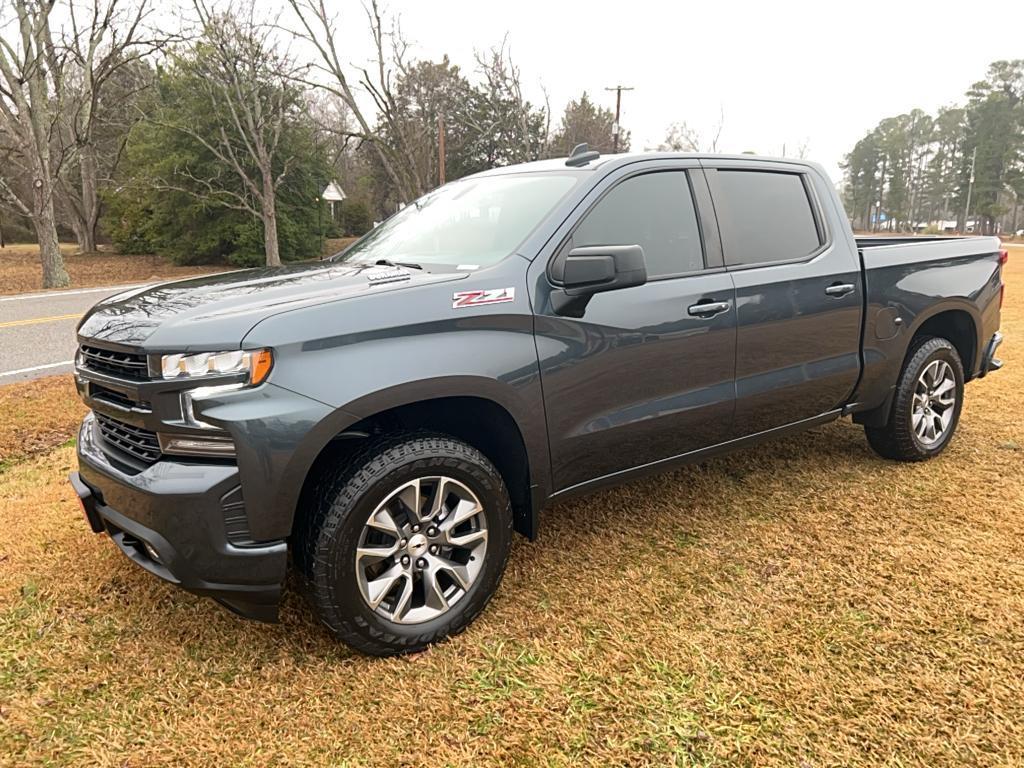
<point>959,326</point>
<point>957,322</point>
<point>489,418</point>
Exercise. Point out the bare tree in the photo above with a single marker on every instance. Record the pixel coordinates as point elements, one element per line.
<point>500,125</point>
<point>247,79</point>
<point>681,137</point>
<point>333,122</point>
<point>101,44</point>
<point>512,128</point>
<point>28,115</point>
<point>388,137</point>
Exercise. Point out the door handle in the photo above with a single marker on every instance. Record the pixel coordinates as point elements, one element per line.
<point>709,308</point>
<point>840,289</point>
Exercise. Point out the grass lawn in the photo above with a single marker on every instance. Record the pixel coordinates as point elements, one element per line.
<point>799,604</point>
<point>20,271</point>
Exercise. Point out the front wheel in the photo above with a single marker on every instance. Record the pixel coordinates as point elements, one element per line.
<point>926,408</point>
<point>407,542</point>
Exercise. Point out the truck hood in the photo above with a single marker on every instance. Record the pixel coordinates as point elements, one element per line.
<point>218,310</point>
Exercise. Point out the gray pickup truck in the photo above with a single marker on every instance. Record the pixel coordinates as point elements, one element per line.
<point>391,416</point>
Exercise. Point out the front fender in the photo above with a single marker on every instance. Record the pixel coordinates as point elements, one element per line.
<point>277,434</point>
<point>522,403</point>
<point>363,356</point>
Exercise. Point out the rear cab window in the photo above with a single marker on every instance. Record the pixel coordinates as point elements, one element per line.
<point>764,216</point>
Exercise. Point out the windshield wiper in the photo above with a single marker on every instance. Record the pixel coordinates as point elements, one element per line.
<point>390,263</point>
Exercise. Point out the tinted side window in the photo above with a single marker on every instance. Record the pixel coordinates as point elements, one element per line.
<point>763,216</point>
<point>654,211</point>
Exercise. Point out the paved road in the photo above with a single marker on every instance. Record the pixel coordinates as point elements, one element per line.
<point>37,331</point>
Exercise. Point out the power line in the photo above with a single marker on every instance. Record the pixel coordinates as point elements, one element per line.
<point>440,150</point>
<point>617,129</point>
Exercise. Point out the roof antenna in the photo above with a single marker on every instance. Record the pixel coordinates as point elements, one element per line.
<point>581,155</point>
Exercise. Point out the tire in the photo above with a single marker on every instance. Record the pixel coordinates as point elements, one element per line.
<point>900,439</point>
<point>380,481</point>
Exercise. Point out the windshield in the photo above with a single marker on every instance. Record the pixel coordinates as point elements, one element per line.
<point>468,224</point>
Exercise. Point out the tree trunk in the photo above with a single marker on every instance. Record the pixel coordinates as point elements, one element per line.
<point>90,200</point>
<point>78,227</point>
<point>54,274</point>
<point>270,239</point>
<point>269,216</point>
<point>881,192</point>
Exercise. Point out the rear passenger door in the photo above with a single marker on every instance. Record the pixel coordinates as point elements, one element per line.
<point>646,373</point>
<point>798,293</point>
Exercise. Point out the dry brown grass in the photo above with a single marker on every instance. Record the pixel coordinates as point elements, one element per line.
<point>37,415</point>
<point>801,604</point>
<point>334,244</point>
<point>20,271</point>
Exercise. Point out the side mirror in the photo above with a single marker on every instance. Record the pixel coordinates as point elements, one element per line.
<point>597,268</point>
<point>594,269</point>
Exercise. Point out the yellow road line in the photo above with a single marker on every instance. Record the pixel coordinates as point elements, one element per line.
<point>34,320</point>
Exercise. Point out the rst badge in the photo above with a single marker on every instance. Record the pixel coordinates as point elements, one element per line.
<point>478,298</point>
<point>387,275</point>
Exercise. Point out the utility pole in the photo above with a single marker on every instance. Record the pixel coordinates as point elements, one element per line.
<point>440,149</point>
<point>970,189</point>
<point>320,199</point>
<point>616,129</point>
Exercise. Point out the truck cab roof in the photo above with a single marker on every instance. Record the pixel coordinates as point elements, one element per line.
<point>610,162</point>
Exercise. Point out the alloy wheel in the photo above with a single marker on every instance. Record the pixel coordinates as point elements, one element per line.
<point>421,550</point>
<point>934,402</point>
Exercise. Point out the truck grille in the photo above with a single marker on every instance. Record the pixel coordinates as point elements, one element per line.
<point>127,365</point>
<point>135,441</point>
<point>112,397</point>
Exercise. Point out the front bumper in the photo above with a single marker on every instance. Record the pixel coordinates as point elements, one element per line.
<point>182,510</point>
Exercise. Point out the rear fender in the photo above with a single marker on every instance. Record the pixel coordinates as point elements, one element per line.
<point>884,358</point>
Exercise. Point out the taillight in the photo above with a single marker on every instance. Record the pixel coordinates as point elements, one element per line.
<point>1004,256</point>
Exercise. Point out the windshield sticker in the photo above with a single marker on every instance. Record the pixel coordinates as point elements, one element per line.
<point>476,298</point>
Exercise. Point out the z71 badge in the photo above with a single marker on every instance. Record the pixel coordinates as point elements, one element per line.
<point>478,298</point>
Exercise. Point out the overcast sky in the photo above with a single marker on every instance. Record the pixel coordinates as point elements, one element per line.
<point>781,72</point>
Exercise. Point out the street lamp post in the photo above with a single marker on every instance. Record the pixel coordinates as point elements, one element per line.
<point>970,189</point>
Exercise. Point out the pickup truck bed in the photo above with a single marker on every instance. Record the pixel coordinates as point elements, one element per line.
<point>904,278</point>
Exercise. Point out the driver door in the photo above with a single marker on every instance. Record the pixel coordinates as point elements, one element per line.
<point>646,373</point>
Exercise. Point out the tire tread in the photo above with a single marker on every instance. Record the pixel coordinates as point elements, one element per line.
<point>895,440</point>
<point>336,494</point>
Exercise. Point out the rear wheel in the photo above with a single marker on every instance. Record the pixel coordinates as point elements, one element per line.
<point>926,408</point>
<point>407,542</point>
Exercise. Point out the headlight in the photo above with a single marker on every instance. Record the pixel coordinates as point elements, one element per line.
<point>257,363</point>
